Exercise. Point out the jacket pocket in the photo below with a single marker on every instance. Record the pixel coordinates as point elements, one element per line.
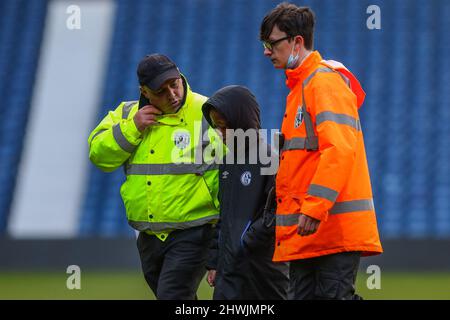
<point>211,184</point>
<point>209,192</point>
<point>134,198</point>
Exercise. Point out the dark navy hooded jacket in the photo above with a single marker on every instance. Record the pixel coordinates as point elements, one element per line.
<point>243,247</point>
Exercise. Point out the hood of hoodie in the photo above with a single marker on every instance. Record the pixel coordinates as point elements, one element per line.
<point>237,104</point>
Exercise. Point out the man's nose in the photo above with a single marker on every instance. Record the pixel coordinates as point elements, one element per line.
<point>267,52</point>
<point>172,94</point>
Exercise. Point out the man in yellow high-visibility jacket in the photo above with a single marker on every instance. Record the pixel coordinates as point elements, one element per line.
<point>170,192</point>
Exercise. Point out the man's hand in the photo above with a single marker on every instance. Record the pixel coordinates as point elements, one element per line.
<point>211,278</point>
<point>146,116</point>
<point>307,225</point>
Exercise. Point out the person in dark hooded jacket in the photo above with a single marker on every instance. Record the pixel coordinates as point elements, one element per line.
<point>240,261</point>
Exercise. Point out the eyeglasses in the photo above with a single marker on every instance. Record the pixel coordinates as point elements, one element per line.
<point>270,44</point>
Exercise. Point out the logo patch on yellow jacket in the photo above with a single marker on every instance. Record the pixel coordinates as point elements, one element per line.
<point>181,139</point>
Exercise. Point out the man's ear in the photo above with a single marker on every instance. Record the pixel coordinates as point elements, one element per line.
<point>299,43</point>
<point>144,92</point>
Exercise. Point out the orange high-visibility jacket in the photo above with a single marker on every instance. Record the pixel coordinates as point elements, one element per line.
<point>323,169</point>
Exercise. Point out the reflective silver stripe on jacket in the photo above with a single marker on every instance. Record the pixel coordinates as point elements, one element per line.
<point>326,70</point>
<point>127,108</point>
<point>300,144</point>
<point>338,118</point>
<point>294,144</point>
<point>121,140</point>
<point>353,206</point>
<point>318,70</point>
<point>167,226</point>
<point>311,141</point>
<point>169,168</point>
<point>286,220</point>
<point>322,192</point>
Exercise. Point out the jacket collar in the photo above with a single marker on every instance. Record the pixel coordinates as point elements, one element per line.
<point>299,74</point>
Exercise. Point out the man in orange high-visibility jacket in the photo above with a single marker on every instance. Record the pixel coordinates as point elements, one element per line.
<point>325,213</point>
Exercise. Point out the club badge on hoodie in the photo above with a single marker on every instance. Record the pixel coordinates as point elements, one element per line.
<point>246,178</point>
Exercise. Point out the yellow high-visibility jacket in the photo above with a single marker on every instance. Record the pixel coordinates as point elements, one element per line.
<point>169,185</point>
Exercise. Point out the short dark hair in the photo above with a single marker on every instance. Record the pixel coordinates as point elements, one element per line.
<point>292,20</point>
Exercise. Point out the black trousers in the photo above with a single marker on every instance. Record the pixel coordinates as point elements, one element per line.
<point>174,268</point>
<point>329,277</point>
<point>251,275</point>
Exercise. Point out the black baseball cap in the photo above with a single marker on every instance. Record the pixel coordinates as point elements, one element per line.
<point>155,69</point>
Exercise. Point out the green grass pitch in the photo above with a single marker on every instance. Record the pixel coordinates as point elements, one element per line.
<point>131,285</point>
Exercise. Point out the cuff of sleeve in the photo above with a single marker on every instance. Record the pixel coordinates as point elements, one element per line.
<point>315,208</point>
<point>211,261</point>
<point>130,131</point>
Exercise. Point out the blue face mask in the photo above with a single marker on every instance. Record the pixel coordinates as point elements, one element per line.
<point>292,61</point>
